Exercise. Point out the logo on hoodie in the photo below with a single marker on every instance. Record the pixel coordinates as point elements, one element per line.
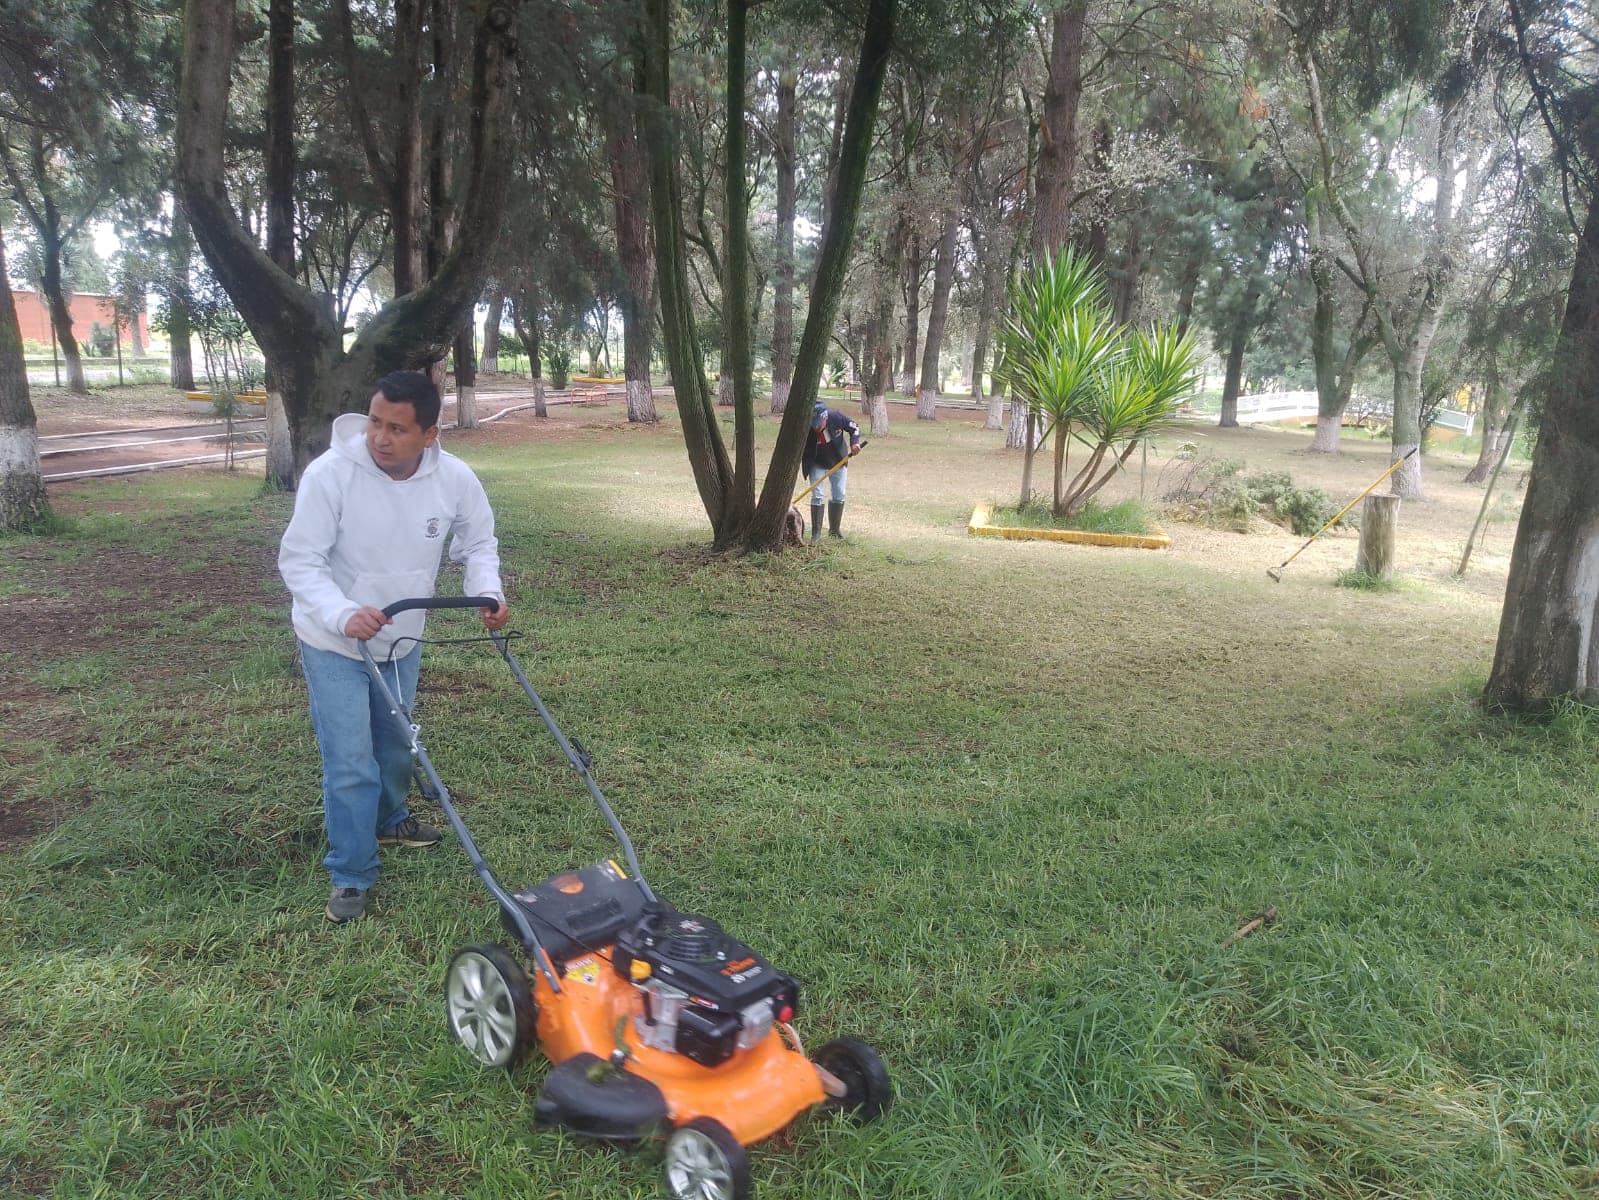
<point>433,527</point>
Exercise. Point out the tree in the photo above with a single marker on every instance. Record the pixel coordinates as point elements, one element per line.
<point>1547,648</point>
<point>320,378</point>
<point>727,483</point>
<point>23,504</point>
<point>1064,356</point>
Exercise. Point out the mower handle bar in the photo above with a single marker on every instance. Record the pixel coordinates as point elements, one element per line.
<point>400,606</point>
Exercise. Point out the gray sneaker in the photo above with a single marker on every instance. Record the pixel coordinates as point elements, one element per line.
<point>345,904</point>
<point>410,832</point>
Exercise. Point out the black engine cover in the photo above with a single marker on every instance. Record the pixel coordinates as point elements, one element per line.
<point>693,954</point>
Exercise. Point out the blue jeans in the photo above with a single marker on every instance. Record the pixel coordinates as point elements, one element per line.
<point>835,482</point>
<point>366,759</point>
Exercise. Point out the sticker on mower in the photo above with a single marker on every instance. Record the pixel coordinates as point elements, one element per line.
<point>583,970</point>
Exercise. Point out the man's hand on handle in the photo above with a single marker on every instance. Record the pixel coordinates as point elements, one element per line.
<point>494,619</point>
<point>365,624</point>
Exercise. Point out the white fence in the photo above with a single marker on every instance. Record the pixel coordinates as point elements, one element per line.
<point>1285,406</point>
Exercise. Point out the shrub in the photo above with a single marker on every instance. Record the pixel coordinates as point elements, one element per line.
<point>1213,490</point>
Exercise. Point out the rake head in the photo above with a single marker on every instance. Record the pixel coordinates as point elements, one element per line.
<point>1275,573</point>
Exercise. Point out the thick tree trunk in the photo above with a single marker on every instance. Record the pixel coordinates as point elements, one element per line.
<point>135,336</point>
<point>937,317</point>
<point>1057,158</point>
<point>1187,288</point>
<point>994,415</point>
<point>489,360</point>
<point>1496,406</point>
<point>1016,432</point>
<point>1406,434</point>
<point>630,188</point>
<point>23,505</point>
<point>291,324</point>
<point>1379,518</point>
<point>180,357</point>
<point>783,291</point>
<point>465,379</point>
<point>280,157</point>
<point>1547,648</point>
<point>878,367</point>
<point>1329,403</point>
<point>1235,373</point>
<point>913,314</point>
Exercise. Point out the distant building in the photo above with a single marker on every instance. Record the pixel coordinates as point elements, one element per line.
<point>88,309</point>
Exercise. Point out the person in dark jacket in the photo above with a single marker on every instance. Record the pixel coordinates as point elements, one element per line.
<point>834,438</point>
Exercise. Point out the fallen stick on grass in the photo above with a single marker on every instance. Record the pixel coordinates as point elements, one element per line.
<point>1243,931</point>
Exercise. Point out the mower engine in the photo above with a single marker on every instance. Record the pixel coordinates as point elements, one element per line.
<point>706,995</point>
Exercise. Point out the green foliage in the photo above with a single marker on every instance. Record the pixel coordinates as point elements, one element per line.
<point>560,360</point>
<point>1086,378</point>
<point>1365,581</point>
<point>1126,516</point>
<point>1214,490</point>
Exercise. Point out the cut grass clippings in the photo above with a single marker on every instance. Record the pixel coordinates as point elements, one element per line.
<point>1004,845</point>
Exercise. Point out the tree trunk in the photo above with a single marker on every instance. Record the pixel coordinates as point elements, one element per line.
<point>913,314</point>
<point>832,268</point>
<point>1057,158</point>
<point>1406,434</point>
<point>320,378</point>
<point>878,365</point>
<point>280,157</point>
<point>1547,648</point>
<point>180,357</point>
<point>23,505</point>
<point>1235,373</point>
<point>991,266</point>
<point>937,317</point>
<point>488,362</point>
<point>630,187</point>
<point>1379,518</point>
<point>783,290</point>
<point>55,296</point>
<point>465,379</point>
<point>1187,287</point>
<point>1131,273</point>
<point>1495,415</point>
<point>1016,433</point>
<point>135,336</point>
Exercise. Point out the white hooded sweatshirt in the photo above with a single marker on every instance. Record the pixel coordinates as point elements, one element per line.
<point>359,537</point>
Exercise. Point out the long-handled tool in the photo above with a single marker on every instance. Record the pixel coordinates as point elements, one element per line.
<point>841,462</point>
<point>1276,572</point>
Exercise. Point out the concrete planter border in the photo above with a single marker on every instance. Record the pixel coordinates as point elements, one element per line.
<point>979,526</point>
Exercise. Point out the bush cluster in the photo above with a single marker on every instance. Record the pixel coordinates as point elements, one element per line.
<point>1215,490</point>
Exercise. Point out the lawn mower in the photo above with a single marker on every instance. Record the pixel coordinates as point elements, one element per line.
<point>657,1022</point>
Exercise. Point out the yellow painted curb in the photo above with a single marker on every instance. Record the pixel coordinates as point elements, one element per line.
<point>979,527</point>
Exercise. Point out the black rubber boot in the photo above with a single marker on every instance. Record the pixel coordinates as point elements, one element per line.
<point>835,514</point>
<point>816,523</point>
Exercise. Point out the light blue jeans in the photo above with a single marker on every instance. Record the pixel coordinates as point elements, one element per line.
<point>366,759</point>
<point>835,482</point>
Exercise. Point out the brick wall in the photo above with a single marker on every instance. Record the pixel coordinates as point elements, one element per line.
<point>87,309</point>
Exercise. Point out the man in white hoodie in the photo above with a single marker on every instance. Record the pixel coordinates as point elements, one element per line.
<point>369,524</point>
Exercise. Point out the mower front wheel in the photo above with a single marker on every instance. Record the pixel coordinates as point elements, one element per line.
<point>490,1005</point>
<point>867,1091</point>
<point>704,1161</point>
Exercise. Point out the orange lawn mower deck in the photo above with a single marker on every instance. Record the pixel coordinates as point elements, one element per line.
<point>656,1021</point>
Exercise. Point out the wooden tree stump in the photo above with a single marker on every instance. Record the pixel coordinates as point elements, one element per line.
<point>1378,519</point>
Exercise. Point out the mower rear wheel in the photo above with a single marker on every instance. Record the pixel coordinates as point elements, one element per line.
<point>490,1005</point>
<point>868,1093</point>
<point>704,1161</point>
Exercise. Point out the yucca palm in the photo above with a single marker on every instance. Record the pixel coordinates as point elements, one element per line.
<point>1047,346</point>
<point>1082,376</point>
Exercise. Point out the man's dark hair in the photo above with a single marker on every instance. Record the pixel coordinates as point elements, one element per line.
<point>417,390</point>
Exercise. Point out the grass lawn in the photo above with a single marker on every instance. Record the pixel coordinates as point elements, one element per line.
<point>1003,838</point>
